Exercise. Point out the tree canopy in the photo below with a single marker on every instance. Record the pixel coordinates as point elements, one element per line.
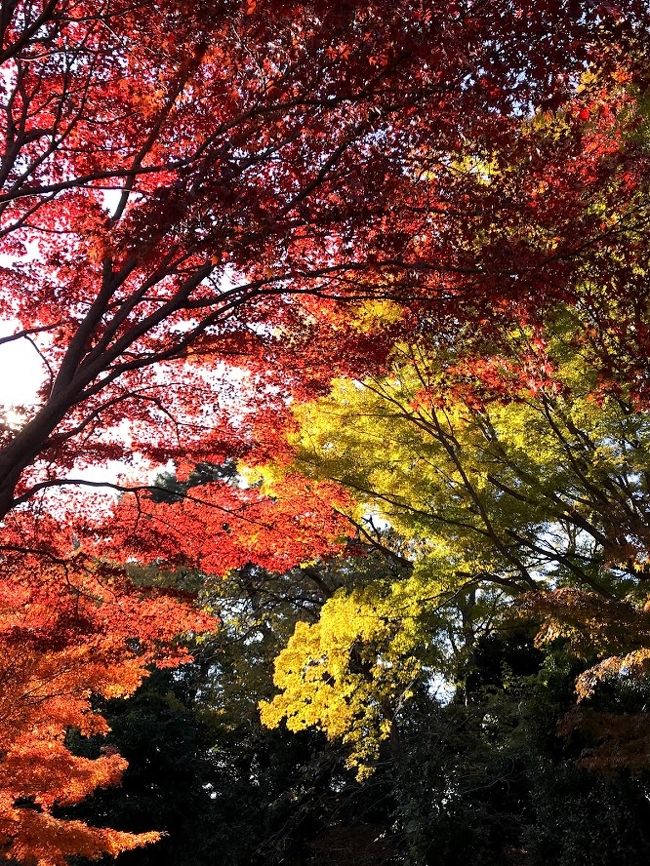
<point>355,297</point>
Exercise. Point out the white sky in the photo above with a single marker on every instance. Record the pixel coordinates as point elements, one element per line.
<point>21,370</point>
<point>21,374</point>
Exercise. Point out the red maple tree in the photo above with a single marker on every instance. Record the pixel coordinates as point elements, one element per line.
<point>175,178</point>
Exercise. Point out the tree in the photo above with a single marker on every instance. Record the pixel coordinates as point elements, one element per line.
<point>252,152</point>
<point>75,624</point>
<point>504,479</point>
<point>483,776</point>
<point>489,779</point>
<point>187,193</point>
<point>79,628</point>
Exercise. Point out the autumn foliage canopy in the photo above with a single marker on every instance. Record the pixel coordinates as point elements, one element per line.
<point>209,212</point>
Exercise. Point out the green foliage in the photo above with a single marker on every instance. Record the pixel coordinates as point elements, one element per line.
<point>489,781</point>
<point>483,778</point>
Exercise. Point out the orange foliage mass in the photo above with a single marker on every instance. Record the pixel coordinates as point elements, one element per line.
<point>70,629</point>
